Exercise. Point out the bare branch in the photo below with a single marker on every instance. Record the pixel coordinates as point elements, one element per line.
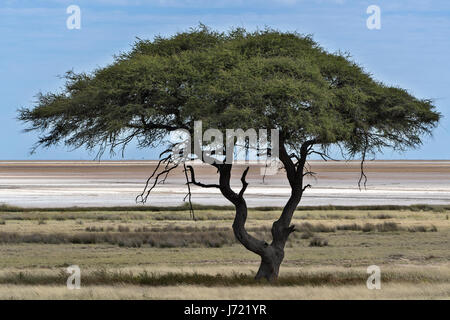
<point>193,181</point>
<point>189,193</point>
<point>293,155</point>
<point>151,176</point>
<point>244,183</point>
<point>168,167</point>
<point>265,172</point>
<point>363,175</point>
<point>310,173</point>
<point>323,155</point>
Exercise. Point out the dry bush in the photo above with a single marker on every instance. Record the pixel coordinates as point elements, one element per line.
<point>387,227</point>
<point>349,227</point>
<point>167,239</point>
<point>422,229</point>
<point>381,227</point>
<point>123,228</point>
<point>318,242</point>
<point>306,226</point>
<point>306,235</point>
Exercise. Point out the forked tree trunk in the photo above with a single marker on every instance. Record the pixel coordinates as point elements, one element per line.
<point>271,254</point>
<point>270,264</point>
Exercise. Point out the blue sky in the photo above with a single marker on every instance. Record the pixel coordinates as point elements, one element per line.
<point>411,50</point>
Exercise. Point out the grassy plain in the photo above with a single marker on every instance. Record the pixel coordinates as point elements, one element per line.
<point>157,253</point>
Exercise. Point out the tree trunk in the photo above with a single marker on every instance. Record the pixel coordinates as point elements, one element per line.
<point>271,255</point>
<point>270,263</point>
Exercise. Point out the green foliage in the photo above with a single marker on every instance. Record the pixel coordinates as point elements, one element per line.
<point>263,79</point>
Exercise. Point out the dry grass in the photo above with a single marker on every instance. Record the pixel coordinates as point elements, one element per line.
<point>318,242</point>
<point>389,291</point>
<point>144,278</point>
<point>118,260</point>
<point>159,239</point>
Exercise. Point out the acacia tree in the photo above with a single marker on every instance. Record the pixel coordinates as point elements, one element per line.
<point>239,79</point>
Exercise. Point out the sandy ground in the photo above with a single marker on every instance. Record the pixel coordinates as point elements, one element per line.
<point>117,183</point>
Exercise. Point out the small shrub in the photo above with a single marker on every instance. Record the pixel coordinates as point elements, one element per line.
<point>417,229</point>
<point>388,227</point>
<point>143,229</point>
<point>307,235</point>
<point>306,226</point>
<point>368,227</point>
<point>123,229</point>
<point>94,229</point>
<point>318,242</point>
<point>351,227</point>
<point>381,216</point>
<point>382,227</point>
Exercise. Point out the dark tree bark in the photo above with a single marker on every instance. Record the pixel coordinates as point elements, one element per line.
<point>272,255</point>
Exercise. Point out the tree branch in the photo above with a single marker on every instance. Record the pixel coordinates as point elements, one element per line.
<point>194,182</point>
<point>189,193</point>
<point>166,170</point>
<point>363,175</point>
<point>244,183</point>
<point>323,155</point>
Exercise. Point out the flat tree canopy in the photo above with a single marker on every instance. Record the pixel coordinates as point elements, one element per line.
<point>238,79</point>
